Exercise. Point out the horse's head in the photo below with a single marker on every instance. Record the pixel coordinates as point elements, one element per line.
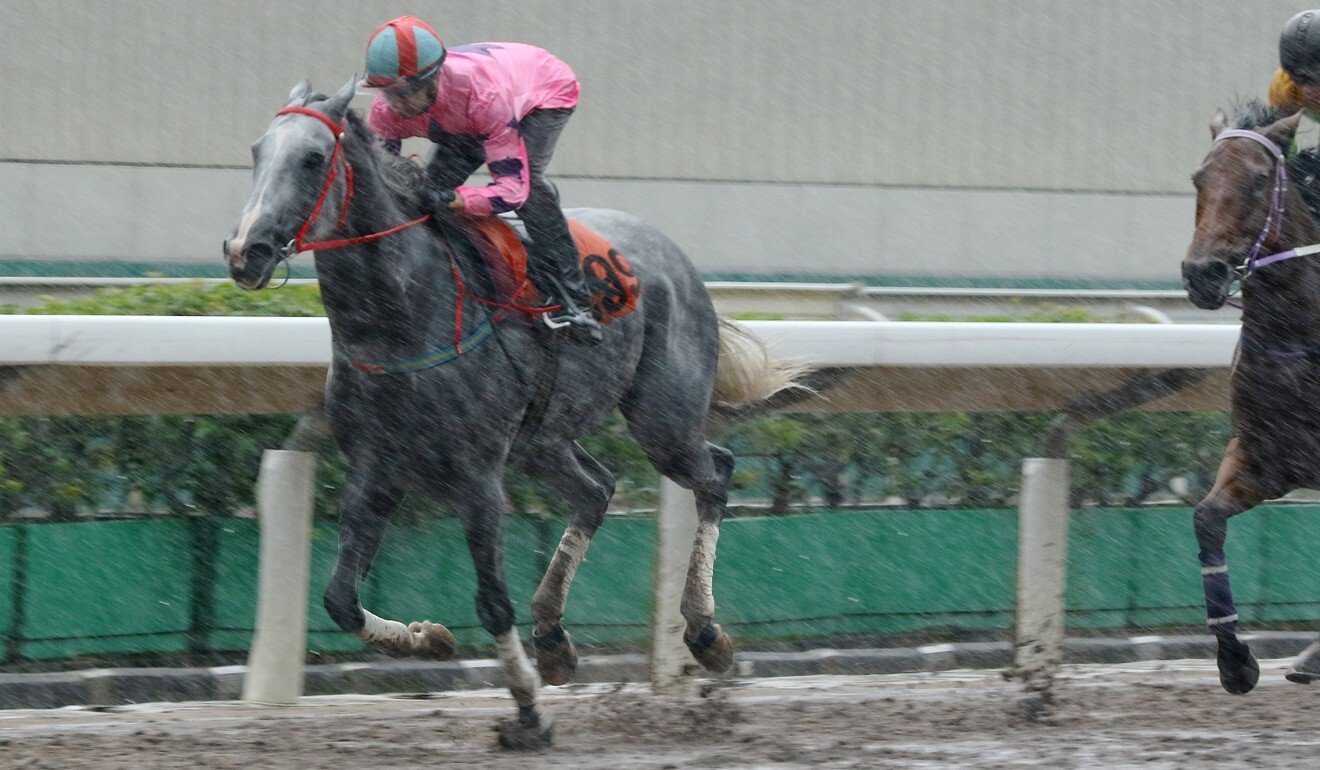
<point>291,165</point>
<point>1239,203</point>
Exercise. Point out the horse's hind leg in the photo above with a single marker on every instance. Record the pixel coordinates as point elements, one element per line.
<point>364,510</point>
<point>1232,494</point>
<point>1306,668</point>
<point>674,442</point>
<point>586,487</point>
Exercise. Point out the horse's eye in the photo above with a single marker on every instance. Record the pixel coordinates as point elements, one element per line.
<point>1258,182</point>
<point>313,160</point>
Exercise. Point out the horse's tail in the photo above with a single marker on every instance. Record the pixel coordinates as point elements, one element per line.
<point>746,374</point>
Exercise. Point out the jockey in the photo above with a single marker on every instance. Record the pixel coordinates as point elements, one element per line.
<point>1296,84</point>
<point>502,104</point>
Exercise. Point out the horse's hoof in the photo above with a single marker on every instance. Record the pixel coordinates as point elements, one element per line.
<point>712,648</point>
<point>556,657</point>
<point>531,731</point>
<point>1238,670</point>
<point>1300,677</point>
<point>432,641</point>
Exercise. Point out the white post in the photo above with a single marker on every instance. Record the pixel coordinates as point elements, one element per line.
<point>1042,571</point>
<point>284,507</point>
<point>676,528</point>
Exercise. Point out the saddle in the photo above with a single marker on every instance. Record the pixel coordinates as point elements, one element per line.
<point>503,248</point>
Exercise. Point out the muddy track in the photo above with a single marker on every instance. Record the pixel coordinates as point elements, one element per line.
<point>1156,715</point>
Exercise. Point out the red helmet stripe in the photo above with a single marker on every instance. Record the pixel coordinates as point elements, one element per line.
<point>407,43</point>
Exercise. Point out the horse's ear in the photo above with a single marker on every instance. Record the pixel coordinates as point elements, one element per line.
<point>337,105</point>
<point>1281,132</point>
<point>1218,123</point>
<point>300,92</point>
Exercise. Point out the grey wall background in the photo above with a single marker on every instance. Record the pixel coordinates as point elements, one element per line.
<point>952,140</point>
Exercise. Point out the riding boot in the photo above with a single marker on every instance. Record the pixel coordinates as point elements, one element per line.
<point>560,274</point>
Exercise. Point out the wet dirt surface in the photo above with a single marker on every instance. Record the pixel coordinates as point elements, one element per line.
<point>1168,714</point>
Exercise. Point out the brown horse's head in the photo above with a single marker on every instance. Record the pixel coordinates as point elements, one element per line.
<point>1234,186</point>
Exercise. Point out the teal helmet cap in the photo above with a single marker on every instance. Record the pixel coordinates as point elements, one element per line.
<point>400,50</point>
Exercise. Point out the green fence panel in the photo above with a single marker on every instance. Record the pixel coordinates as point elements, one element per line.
<point>236,560</point>
<point>125,587</point>
<point>106,587</point>
<point>1101,559</point>
<point>1291,581</point>
<point>610,601</point>
<point>9,537</point>
<point>867,572</point>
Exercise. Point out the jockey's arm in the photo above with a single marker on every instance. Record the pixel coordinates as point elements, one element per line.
<point>506,157</point>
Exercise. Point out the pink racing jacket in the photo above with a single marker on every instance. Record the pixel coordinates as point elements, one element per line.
<point>485,90</point>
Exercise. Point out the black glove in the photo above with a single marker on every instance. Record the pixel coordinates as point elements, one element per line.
<point>436,200</point>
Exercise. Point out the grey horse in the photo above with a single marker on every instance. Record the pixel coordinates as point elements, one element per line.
<point>424,399</point>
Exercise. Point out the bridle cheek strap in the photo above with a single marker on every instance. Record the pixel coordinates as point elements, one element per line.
<point>299,243</point>
<point>1274,220</point>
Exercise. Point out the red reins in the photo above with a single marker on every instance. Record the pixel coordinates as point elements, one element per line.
<point>298,245</point>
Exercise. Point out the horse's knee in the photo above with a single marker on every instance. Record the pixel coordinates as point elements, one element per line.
<point>723,459</point>
<point>342,606</point>
<point>495,612</point>
<point>1211,525</point>
<point>706,471</point>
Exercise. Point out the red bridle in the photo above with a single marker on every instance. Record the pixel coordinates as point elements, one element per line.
<point>298,245</point>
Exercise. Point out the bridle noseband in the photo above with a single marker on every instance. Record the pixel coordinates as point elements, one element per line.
<point>299,244</point>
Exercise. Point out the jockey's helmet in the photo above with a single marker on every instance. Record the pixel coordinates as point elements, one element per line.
<point>402,52</point>
<point>1299,47</point>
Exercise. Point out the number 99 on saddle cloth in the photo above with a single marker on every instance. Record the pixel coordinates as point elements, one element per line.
<point>614,287</point>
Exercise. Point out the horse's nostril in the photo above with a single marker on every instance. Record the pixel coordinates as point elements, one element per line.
<point>1216,272</point>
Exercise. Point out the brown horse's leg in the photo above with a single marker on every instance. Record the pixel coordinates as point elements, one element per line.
<point>1235,491</point>
<point>586,487</point>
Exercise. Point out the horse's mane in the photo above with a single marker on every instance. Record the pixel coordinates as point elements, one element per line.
<point>402,177</point>
<point>1303,167</point>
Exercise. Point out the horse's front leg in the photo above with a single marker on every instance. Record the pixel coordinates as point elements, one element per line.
<point>1234,492</point>
<point>364,510</point>
<point>482,512</point>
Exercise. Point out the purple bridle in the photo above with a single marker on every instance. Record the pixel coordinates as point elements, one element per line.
<point>1274,220</point>
<point>1273,226</point>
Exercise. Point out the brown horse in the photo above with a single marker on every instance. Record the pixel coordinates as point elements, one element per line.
<point>1256,229</point>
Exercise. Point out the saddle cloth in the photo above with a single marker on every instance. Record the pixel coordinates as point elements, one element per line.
<point>614,288</point>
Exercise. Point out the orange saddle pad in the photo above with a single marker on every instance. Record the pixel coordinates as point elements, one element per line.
<point>614,288</point>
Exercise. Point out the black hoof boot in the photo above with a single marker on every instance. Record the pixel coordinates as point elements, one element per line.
<point>1238,670</point>
<point>531,731</point>
<point>556,657</point>
<point>712,648</point>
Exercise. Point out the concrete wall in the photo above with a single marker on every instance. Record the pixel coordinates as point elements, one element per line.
<point>992,139</point>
